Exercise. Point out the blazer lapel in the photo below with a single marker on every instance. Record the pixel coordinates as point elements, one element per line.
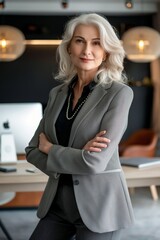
<point>90,104</point>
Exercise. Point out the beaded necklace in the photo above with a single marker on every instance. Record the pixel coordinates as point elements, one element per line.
<point>75,112</point>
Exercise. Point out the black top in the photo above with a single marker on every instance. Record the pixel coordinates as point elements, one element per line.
<point>63,125</point>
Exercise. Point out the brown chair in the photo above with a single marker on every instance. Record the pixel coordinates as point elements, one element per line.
<point>141,143</point>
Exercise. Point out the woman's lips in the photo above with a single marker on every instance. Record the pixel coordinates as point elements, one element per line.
<point>86,59</point>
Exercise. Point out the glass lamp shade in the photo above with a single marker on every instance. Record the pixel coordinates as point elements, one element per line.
<point>12,43</point>
<point>141,44</point>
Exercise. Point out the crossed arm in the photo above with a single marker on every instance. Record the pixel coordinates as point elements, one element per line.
<point>94,145</point>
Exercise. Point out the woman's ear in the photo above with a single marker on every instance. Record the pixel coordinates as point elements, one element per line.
<point>104,57</point>
<point>69,50</point>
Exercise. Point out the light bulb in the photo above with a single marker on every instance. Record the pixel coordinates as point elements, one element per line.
<point>141,45</point>
<point>3,43</point>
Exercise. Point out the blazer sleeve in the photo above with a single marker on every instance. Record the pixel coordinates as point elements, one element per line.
<point>33,154</point>
<point>76,161</point>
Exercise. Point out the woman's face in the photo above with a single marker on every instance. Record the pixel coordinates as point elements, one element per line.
<point>85,49</point>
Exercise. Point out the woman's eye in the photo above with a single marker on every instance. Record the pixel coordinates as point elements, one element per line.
<point>79,41</point>
<point>96,43</point>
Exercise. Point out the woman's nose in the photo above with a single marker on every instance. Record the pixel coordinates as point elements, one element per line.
<point>87,49</point>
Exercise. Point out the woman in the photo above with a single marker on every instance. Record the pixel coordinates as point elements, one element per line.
<point>76,143</point>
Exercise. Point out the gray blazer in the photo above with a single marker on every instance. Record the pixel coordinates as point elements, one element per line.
<point>99,183</point>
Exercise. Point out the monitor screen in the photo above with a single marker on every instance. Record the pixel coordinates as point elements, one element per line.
<point>20,119</point>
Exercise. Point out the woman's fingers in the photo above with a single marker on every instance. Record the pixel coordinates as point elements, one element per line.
<point>102,139</point>
<point>99,137</point>
<point>101,133</point>
<point>97,143</point>
<point>94,149</point>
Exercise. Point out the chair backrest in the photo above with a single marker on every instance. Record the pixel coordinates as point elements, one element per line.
<point>143,137</point>
<point>140,143</point>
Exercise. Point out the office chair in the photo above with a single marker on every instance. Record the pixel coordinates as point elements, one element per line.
<point>5,198</point>
<point>141,143</point>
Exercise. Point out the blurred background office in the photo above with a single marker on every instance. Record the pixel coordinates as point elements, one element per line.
<point>28,58</point>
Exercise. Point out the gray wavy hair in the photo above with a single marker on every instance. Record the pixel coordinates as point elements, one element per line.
<point>111,69</point>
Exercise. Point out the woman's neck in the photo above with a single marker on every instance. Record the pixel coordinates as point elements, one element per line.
<point>84,78</point>
<point>78,89</point>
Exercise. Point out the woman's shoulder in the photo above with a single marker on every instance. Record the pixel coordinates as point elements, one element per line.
<point>116,88</point>
<point>121,86</point>
<point>57,88</point>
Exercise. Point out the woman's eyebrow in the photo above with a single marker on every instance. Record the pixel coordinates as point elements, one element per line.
<point>84,38</point>
<point>79,37</point>
<point>96,39</point>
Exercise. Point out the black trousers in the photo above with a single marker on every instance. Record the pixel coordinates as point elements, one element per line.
<point>63,221</point>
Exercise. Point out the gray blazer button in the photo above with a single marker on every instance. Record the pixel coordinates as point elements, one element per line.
<point>75,182</point>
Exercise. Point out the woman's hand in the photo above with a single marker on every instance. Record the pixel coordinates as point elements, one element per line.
<point>44,144</point>
<point>97,143</point>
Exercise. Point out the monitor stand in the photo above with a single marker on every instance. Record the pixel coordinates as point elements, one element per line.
<point>8,149</point>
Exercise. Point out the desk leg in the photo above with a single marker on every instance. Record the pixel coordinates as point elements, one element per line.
<point>131,190</point>
<point>154,192</point>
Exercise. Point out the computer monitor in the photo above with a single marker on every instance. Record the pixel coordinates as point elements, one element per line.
<point>20,119</point>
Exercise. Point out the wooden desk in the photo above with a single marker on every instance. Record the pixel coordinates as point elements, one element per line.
<point>142,177</point>
<point>22,181</point>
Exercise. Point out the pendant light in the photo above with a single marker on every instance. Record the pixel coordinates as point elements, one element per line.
<point>12,43</point>
<point>142,44</point>
<point>129,4</point>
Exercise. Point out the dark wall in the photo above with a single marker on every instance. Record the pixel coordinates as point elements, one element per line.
<point>140,114</point>
<point>42,27</point>
<point>31,77</point>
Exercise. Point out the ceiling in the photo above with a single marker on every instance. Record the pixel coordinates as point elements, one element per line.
<point>55,7</point>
